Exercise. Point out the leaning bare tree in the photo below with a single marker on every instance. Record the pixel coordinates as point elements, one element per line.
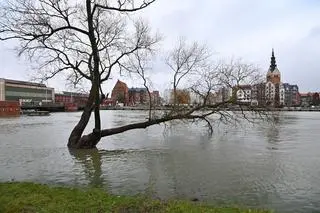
<point>87,39</point>
<point>91,39</point>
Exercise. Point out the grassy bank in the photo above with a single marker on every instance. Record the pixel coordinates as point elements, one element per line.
<point>30,197</point>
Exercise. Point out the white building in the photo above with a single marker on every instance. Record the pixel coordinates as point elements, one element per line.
<point>244,94</point>
<point>23,91</point>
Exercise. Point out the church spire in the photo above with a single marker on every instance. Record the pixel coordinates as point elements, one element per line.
<point>273,64</point>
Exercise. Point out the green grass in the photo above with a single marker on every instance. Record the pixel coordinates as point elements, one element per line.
<point>31,197</point>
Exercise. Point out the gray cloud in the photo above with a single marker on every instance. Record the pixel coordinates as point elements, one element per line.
<point>247,29</point>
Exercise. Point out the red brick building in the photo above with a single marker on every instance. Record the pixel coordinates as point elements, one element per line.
<point>120,93</point>
<point>309,99</point>
<point>9,108</point>
<point>138,96</point>
<point>79,99</point>
<point>155,98</point>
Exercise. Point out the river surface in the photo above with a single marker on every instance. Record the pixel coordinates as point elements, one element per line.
<point>266,166</point>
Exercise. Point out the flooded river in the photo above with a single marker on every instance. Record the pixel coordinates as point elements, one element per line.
<point>265,166</point>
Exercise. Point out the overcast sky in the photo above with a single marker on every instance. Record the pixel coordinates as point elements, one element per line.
<point>248,29</point>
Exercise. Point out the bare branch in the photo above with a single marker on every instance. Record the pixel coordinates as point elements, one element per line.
<point>186,59</point>
<point>123,6</point>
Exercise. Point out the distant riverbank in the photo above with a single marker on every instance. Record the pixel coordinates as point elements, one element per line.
<point>31,197</point>
<point>285,109</point>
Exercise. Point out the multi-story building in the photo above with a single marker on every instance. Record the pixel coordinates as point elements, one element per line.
<point>270,93</point>
<point>274,89</point>
<point>309,99</point>
<point>72,97</point>
<point>120,93</point>
<point>305,99</point>
<point>25,92</point>
<point>155,95</point>
<point>291,95</point>
<point>244,94</point>
<point>258,94</point>
<point>138,96</point>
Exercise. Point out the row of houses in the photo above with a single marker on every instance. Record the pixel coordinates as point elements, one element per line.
<point>135,96</point>
<point>272,93</point>
<point>255,95</point>
<point>269,94</point>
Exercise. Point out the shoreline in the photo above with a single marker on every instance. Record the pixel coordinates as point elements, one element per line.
<point>297,109</point>
<point>34,197</point>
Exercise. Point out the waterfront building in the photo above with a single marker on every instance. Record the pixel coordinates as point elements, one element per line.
<point>138,96</point>
<point>120,93</point>
<point>25,92</point>
<point>277,93</point>
<point>9,108</point>
<point>258,93</point>
<point>155,95</point>
<point>274,92</point>
<point>291,95</point>
<point>305,99</point>
<point>309,99</point>
<point>67,98</point>
<point>244,94</point>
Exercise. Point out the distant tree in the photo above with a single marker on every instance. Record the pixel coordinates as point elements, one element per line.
<point>183,96</point>
<point>186,59</point>
<point>121,98</point>
<point>90,39</point>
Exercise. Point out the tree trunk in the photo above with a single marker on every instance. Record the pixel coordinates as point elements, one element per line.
<point>89,141</point>
<point>77,131</point>
<point>76,140</point>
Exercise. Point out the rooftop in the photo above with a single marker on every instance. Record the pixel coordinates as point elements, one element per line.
<point>27,83</point>
<point>137,89</point>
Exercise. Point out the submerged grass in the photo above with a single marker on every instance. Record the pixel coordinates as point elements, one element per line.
<point>31,198</point>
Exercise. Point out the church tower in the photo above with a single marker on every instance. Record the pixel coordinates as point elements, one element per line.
<point>273,74</point>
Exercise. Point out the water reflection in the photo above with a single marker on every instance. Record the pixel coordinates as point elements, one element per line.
<point>272,134</point>
<point>91,161</point>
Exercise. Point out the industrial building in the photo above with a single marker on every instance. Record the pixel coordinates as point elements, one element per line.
<point>25,92</point>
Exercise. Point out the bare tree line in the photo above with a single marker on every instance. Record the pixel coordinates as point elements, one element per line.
<point>90,40</point>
